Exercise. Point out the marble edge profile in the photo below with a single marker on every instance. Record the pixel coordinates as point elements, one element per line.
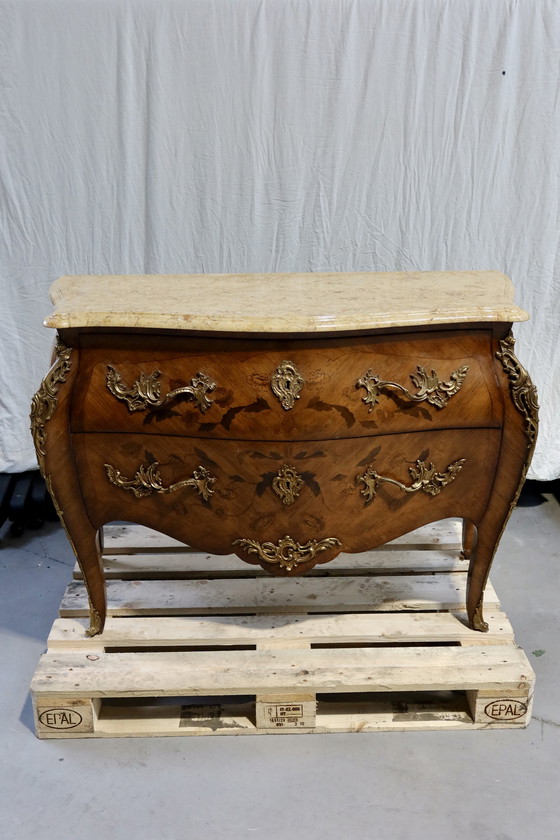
<point>361,315</point>
<point>279,324</point>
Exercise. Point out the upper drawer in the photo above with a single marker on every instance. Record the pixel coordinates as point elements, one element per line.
<point>286,389</point>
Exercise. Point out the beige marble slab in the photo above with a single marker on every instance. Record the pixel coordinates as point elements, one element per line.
<point>282,303</point>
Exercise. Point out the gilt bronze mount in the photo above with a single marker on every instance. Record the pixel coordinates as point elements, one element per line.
<point>430,388</point>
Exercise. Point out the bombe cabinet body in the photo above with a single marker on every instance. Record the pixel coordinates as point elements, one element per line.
<point>285,418</point>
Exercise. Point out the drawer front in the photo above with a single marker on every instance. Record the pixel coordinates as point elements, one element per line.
<point>286,390</point>
<point>359,493</point>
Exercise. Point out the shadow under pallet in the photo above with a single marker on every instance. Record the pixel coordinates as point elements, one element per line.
<point>204,645</point>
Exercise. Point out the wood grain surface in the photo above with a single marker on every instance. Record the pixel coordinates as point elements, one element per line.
<point>65,487</point>
<point>330,502</point>
<point>330,404</point>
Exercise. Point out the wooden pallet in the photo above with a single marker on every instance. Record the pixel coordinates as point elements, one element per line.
<point>209,645</point>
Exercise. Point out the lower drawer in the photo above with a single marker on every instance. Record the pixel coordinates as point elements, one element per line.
<point>358,492</point>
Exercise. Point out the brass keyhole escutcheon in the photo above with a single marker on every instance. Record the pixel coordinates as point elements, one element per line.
<point>286,383</point>
<point>287,483</point>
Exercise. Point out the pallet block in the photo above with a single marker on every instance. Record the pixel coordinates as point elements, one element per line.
<point>196,644</point>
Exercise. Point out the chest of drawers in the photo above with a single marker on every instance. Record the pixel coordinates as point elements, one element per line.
<point>285,418</point>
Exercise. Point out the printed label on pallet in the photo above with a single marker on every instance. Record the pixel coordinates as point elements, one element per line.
<point>60,718</point>
<point>285,714</point>
<point>505,709</point>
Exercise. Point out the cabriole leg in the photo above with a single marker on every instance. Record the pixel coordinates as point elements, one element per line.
<point>469,538</point>
<point>518,442</point>
<point>50,427</point>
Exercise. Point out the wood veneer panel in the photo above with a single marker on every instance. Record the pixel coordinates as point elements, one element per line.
<point>330,404</point>
<point>329,504</point>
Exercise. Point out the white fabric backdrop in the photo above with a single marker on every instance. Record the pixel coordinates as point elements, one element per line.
<point>179,136</point>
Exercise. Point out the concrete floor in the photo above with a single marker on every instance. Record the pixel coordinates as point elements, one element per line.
<point>489,785</point>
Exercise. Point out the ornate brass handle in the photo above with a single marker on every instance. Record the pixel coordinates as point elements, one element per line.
<point>429,386</point>
<point>146,390</point>
<point>288,553</point>
<point>424,478</point>
<point>148,480</point>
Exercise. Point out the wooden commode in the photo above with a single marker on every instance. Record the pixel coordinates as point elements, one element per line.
<point>285,418</point>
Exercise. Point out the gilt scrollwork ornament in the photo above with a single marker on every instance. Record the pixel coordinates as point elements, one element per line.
<point>148,480</point>
<point>145,392</point>
<point>43,404</point>
<point>430,388</point>
<point>286,384</point>
<point>424,477</point>
<point>287,483</point>
<point>523,392</point>
<point>287,553</point>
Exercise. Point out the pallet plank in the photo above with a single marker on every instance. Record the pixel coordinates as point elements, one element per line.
<point>191,564</point>
<point>278,671</point>
<point>348,628</point>
<point>280,595</point>
<point>375,713</point>
<point>129,538</point>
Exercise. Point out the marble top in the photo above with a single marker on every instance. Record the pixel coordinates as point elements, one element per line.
<point>282,303</point>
